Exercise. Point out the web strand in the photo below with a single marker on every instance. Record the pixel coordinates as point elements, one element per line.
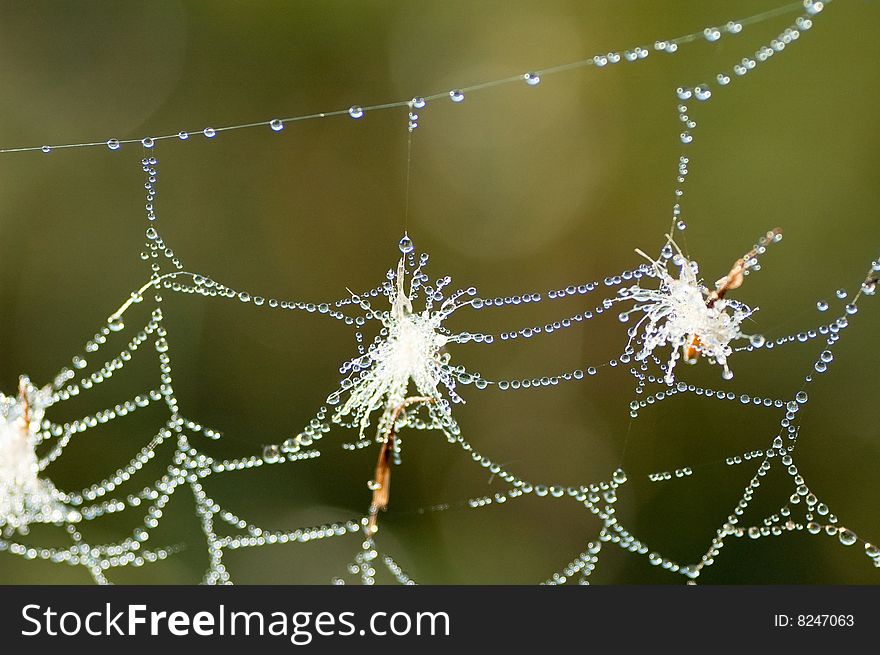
<point>634,54</point>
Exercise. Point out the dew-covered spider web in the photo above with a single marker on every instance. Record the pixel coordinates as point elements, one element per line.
<point>405,380</point>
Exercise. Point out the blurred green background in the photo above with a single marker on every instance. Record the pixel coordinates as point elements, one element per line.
<point>515,189</point>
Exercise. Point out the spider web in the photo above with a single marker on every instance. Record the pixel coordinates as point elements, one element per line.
<point>375,398</point>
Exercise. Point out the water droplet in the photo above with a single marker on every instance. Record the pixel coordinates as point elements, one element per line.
<point>115,324</point>
<point>847,537</point>
<point>840,293</point>
<point>532,79</point>
<point>271,454</point>
<point>712,34</point>
<point>406,245</point>
<point>355,111</point>
<point>276,124</point>
<point>822,306</point>
<point>702,93</point>
<point>113,144</point>
<point>456,95</point>
<point>46,148</point>
<point>418,102</point>
<point>691,570</point>
<point>813,7</point>
<point>183,136</point>
<point>801,397</point>
<point>757,340</point>
<point>147,142</point>
<point>684,93</point>
<point>290,445</point>
<point>209,132</point>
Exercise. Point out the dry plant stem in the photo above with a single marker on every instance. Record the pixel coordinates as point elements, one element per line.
<point>733,280</point>
<point>381,483</point>
<point>25,406</point>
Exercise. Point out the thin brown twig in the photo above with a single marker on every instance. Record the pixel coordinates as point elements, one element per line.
<point>736,276</point>
<point>25,405</point>
<point>733,280</point>
<point>381,482</point>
